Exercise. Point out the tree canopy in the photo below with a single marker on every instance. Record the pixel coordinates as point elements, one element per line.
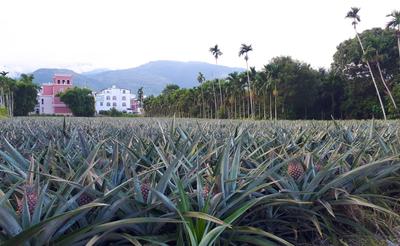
<point>79,100</point>
<point>18,96</point>
<point>286,88</point>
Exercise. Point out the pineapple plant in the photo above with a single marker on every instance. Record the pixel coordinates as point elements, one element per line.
<point>245,188</point>
<point>30,193</point>
<point>84,199</point>
<point>30,196</point>
<point>206,191</point>
<point>295,169</point>
<point>318,166</point>
<point>145,189</point>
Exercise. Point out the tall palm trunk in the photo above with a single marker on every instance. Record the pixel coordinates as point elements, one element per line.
<point>215,101</point>
<point>333,105</point>
<point>221,101</point>
<point>202,103</point>
<point>386,87</point>
<point>398,39</point>
<point>249,113</point>
<point>1,96</point>
<point>270,106</point>
<point>265,106</point>
<point>372,76</point>
<point>275,104</point>
<point>251,92</point>
<point>219,84</point>
<point>244,105</point>
<point>235,107</point>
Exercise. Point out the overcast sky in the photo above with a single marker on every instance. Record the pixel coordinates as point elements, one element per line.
<point>88,34</point>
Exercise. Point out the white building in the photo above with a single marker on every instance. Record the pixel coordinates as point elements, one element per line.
<point>114,97</point>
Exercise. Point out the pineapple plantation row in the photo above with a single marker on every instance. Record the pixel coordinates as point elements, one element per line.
<point>102,181</point>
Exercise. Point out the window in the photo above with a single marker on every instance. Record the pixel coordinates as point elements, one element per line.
<point>108,104</point>
<point>114,104</point>
<point>68,81</point>
<point>63,81</point>
<point>101,103</point>
<point>42,101</point>
<point>124,98</point>
<point>123,91</point>
<point>108,97</point>
<point>114,98</point>
<point>58,81</point>
<point>107,91</point>
<point>123,104</point>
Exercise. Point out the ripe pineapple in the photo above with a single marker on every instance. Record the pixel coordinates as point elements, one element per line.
<point>31,195</point>
<point>318,167</point>
<point>206,191</point>
<point>84,199</point>
<point>295,169</point>
<point>145,188</point>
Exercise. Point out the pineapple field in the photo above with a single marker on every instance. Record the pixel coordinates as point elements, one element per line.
<point>143,181</point>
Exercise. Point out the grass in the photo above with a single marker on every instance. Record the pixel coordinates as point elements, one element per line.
<point>3,112</point>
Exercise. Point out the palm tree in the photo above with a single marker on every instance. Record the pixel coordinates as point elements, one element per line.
<point>140,96</point>
<point>395,23</point>
<point>216,52</point>
<point>7,86</point>
<point>28,78</point>
<point>201,79</point>
<point>244,50</point>
<point>372,55</point>
<point>353,14</point>
<point>272,71</point>
<point>3,74</point>
<point>234,80</point>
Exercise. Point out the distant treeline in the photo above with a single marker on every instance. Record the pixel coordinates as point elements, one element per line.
<point>286,88</point>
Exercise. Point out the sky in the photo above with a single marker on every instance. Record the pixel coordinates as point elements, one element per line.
<point>89,34</point>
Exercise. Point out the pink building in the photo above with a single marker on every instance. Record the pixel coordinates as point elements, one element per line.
<point>49,103</point>
<point>135,106</point>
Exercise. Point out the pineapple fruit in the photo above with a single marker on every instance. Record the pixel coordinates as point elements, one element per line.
<point>145,188</point>
<point>206,191</point>
<point>84,199</point>
<point>318,167</point>
<point>31,195</point>
<point>295,169</point>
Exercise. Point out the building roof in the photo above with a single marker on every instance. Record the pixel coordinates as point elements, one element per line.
<point>63,75</point>
<point>114,87</point>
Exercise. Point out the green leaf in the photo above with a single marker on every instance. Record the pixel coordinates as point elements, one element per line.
<point>27,234</point>
<point>253,230</point>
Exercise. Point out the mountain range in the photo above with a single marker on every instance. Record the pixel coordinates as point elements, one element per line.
<point>152,76</point>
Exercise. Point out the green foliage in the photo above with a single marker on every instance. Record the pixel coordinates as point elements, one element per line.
<point>170,88</point>
<point>140,96</point>
<point>181,182</point>
<point>393,113</point>
<point>289,89</point>
<point>80,101</point>
<point>3,112</point>
<point>299,96</point>
<point>222,113</point>
<point>359,100</point>
<point>113,112</point>
<point>25,95</point>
